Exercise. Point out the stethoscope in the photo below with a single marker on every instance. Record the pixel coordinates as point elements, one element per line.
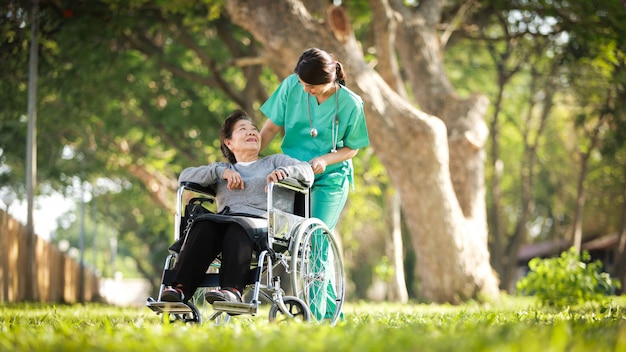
<point>335,121</point>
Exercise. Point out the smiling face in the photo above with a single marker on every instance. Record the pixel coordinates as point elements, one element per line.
<point>318,90</point>
<point>245,140</point>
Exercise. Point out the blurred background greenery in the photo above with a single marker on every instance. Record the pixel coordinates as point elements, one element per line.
<point>132,92</point>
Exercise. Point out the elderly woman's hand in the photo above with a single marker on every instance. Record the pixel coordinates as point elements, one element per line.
<point>276,175</point>
<point>233,179</point>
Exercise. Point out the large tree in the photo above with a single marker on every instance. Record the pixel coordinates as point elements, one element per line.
<point>434,154</point>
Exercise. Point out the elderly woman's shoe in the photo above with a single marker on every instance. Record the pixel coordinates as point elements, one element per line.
<point>172,294</point>
<point>225,294</point>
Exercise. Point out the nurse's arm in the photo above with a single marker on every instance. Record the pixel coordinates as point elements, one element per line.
<point>319,164</point>
<point>268,132</point>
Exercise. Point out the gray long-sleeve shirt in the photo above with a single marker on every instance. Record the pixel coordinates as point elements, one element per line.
<point>253,198</point>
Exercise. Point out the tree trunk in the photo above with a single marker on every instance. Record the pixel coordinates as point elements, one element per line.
<point>577,221</point>
<point>496,220</point>
<point>449,233</point>
<point>577,236</point>
<point>531,137</point>
<point>384,28</point>
<point>397,291</point>
<point>620,253</point>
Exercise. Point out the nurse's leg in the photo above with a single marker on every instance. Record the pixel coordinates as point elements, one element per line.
<point>328,197</point>
<point>327,202</point>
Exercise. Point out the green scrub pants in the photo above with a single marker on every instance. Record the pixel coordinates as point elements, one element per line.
<point>328,197</point>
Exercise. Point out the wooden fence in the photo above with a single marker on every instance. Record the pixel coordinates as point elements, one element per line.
<point>56,274</point>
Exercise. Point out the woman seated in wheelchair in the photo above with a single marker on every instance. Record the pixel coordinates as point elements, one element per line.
<point>240,186</point>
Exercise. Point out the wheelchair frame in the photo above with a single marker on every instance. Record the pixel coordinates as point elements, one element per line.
<point>302,245</point>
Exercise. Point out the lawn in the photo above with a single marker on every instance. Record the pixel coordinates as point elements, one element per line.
<point>512,324</point>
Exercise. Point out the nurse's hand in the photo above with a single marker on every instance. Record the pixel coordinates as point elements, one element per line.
<point>318,165</point>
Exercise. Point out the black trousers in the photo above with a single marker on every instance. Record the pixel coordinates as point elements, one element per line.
<point>204,242</point>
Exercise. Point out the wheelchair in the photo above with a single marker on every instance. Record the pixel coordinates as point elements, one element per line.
<point>299,246</point>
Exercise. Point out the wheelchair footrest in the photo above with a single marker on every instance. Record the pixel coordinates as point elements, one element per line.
<point>234,307</point>
<point>168,307</point>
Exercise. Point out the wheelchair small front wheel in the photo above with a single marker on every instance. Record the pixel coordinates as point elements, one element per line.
<point>296,307</point>
<point>193,316</point>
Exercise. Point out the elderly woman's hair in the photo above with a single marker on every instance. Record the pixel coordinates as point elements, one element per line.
<point>227,132</point>
<point>316,66</point>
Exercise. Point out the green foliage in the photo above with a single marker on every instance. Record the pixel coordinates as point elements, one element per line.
<point>567,281</point>
<point>510,325</point>
<point>140,88</point>
<point>384,270</point>
<point>107,93</point>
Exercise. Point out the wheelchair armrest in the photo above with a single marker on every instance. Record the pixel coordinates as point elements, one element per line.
<point>288,182</point>
<point>293,184</point>
<point>192,186</point>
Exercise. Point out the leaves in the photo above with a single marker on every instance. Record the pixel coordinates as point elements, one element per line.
<point>568,281</point>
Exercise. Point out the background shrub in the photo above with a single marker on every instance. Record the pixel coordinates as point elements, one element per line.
<point>568,280</point>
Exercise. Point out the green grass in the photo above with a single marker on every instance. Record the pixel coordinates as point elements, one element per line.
<point>512,324</point>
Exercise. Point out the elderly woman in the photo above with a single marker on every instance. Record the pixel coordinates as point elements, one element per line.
<point>240,186</point>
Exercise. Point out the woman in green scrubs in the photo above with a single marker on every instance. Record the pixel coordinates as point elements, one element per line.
<point>324,124</point>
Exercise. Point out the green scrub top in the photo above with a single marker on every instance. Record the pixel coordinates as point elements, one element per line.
<point>287,108</point>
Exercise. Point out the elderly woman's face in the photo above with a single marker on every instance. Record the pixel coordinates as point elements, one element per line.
<point>245,137</point>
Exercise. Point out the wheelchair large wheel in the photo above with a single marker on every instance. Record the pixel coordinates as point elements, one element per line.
<point>297,310</point>
<point>317,270</point>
